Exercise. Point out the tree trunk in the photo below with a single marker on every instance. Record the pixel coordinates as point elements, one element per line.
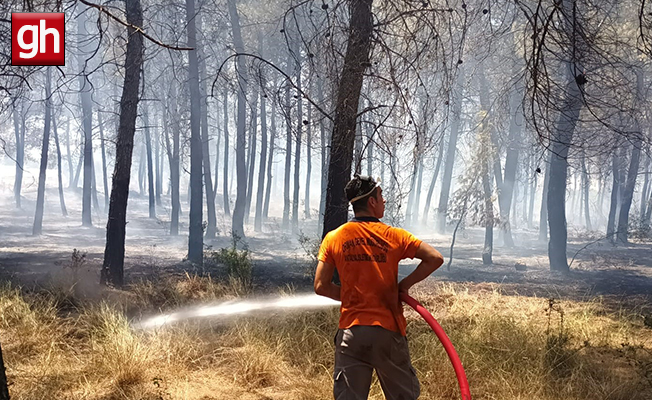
<point>241,197</point>
<point>158,171</point>
<point>442,209</point>
<point>211,225</point>
<point>413,183</point>
<point>632,173</point>
<point>648,212</point>
<point>586,187</point>
<point>533,192</point>
<point>370,152</point>
<point>392,197</point>
<point>357,153</point>
<point>196,231</point>
<point>150,169</point>
<point>62,200</point>
<point>288,158</point>
<point>225,178</point>
<point>96,203</point>
<point>4,391</point>
<point>218,145</point>
<point>306,200</point>
<point>435,174</point>
<point>615,196</point>
<point>104,172</point>
<point>646,184</point>
<point>324,157</point>
<point>417,195</point>
<point>356,61</point>
<point>148,151</point>
<point>40,196</point>
<point>113,267</point>
<point>297,152</point>
<point>574,191</point>
<point>85,88</point>
<point>71,175</point>
<point>513,207</point>
<point>270,162</point>
<point>382,165</point>
<point>258,218</point>
<point>80,162</point>
<point>142,168</point>
<point>563,134</point>
<point>511,163</point>
<point>628,193</point>
<point>173,159</point>
<point>543,213</point>
<point>231,174</point>
<point>526,196</point>
<point>487,251</point>
<point>251,163</point>
<point>19,130</point>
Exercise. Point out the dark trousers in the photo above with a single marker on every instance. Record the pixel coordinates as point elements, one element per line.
<point>361,349</point>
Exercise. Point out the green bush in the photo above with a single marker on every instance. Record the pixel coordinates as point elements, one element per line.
<point>237,262</point>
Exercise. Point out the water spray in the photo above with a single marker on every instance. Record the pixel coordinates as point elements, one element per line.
<point>309,301</point>
<point>445,341</point>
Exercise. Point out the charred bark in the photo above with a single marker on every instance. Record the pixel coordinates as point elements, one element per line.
<point>196,231</point>
<point>85,89</point>
<point>356,61</point>
<point>113,267</point>
<point>40,196</point>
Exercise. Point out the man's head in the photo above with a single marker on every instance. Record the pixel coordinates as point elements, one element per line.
<point>366,196</point>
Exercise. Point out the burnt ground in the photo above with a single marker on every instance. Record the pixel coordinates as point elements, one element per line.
<point>621,276</point>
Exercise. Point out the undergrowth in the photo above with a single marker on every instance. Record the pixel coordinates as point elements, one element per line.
<point>512,347</point>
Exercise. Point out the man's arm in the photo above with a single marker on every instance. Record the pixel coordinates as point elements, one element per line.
<point>430,258</point>
<point>323,281</point>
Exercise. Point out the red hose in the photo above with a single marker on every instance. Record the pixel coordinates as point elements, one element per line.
<point>445,341</point>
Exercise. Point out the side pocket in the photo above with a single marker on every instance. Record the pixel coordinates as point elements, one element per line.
<point>400,353</point>
<point>339,385</point>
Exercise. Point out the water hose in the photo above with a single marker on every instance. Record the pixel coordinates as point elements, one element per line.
<point>445,341</point>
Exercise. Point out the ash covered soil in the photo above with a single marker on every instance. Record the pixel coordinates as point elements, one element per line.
<point>620,275</point>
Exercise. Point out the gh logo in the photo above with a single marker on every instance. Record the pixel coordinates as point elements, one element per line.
<point>37,39</point>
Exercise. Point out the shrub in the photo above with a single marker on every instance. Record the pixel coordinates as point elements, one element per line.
<point>238,264</point>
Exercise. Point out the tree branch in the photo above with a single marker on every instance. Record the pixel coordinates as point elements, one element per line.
<point>134,27</point>
<point>289,79</point>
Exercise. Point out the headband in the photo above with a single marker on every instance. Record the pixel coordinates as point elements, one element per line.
<point>353,200</point>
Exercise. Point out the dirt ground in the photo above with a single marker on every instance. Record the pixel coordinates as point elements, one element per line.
<point>621,276</point>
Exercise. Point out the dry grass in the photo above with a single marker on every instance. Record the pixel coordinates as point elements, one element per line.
<point>513,347</point>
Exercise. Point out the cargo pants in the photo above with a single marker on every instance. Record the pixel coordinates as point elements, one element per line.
<point>361,349</point>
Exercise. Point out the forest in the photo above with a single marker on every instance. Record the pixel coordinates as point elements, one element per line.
<point>195,152</point>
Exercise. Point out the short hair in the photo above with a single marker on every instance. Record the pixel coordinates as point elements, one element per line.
<point>358,191</point>
<point>362,203</point>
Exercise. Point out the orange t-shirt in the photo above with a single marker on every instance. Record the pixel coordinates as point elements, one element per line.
<point>366,255</point>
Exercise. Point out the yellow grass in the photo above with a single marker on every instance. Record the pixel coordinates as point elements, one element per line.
<point>513,347</point>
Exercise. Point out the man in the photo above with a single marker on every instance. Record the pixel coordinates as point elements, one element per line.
<point>371,332</point>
